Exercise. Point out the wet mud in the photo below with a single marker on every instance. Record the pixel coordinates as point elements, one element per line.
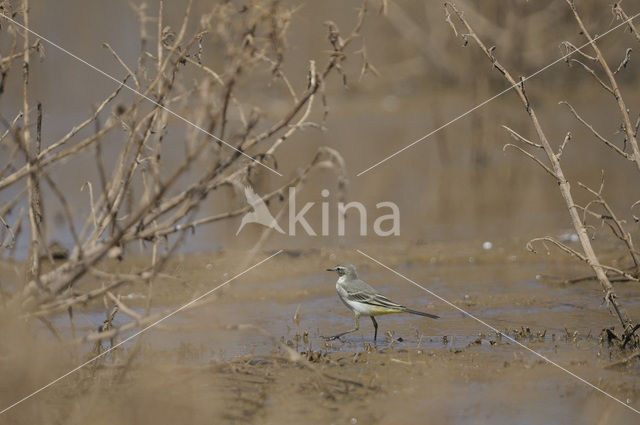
<point>252,352</point>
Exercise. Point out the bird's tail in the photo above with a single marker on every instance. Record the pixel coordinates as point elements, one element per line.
<point>420,313</point>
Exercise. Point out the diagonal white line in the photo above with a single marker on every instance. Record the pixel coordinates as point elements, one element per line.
<point>109,76</point>
<point>494,97</point>
<point>499,332</point>
<point>138,333</point>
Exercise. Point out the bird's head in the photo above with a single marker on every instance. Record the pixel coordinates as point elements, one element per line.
<point>345,269</point>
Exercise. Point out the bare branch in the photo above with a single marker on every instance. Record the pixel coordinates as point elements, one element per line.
<point>540,163</point>
<point>567,47</point>
<point>518,136</point>
<point>594,75</point>
<point>625,61</point>
<point>124,65</point>
<point>595,132</point>
<point>624,112</point>
<point>559,244</point>
<point>621,15</point>
<point>566,140</point>
<point>617,227</point>
<point>589,255</point>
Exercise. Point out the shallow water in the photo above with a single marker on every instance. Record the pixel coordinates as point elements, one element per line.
<point>451,370</point>
<point>507,297</point>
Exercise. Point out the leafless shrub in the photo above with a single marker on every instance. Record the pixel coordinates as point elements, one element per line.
<point>598,208</point>
<point>225,144</point>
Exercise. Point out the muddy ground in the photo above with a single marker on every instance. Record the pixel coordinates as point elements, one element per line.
<point>252,353</point>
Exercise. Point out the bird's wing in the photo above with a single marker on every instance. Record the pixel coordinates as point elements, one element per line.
<point>372,298</point>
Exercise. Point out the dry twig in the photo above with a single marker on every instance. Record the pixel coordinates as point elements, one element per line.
<point>555,168</point>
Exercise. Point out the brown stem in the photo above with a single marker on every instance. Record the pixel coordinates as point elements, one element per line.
<point>563,183</point>
<point>628,127</point>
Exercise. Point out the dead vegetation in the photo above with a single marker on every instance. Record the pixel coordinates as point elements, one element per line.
<point>598,210</point>
<point>148,201</point>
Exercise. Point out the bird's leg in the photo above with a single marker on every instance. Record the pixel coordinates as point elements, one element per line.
<point>375,327</point>
<point>331,338</point>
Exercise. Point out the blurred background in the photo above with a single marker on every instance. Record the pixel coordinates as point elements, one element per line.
<point>457,184</point>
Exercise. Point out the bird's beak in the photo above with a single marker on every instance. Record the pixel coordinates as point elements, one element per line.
<point>332,269</point>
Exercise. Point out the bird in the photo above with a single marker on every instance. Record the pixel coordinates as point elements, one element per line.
<point>260,213</point>
<point>363,300</point>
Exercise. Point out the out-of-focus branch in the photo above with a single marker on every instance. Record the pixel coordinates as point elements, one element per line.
<point>141,195</point>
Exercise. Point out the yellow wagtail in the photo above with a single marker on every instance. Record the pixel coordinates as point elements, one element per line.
<point>363,300</point>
